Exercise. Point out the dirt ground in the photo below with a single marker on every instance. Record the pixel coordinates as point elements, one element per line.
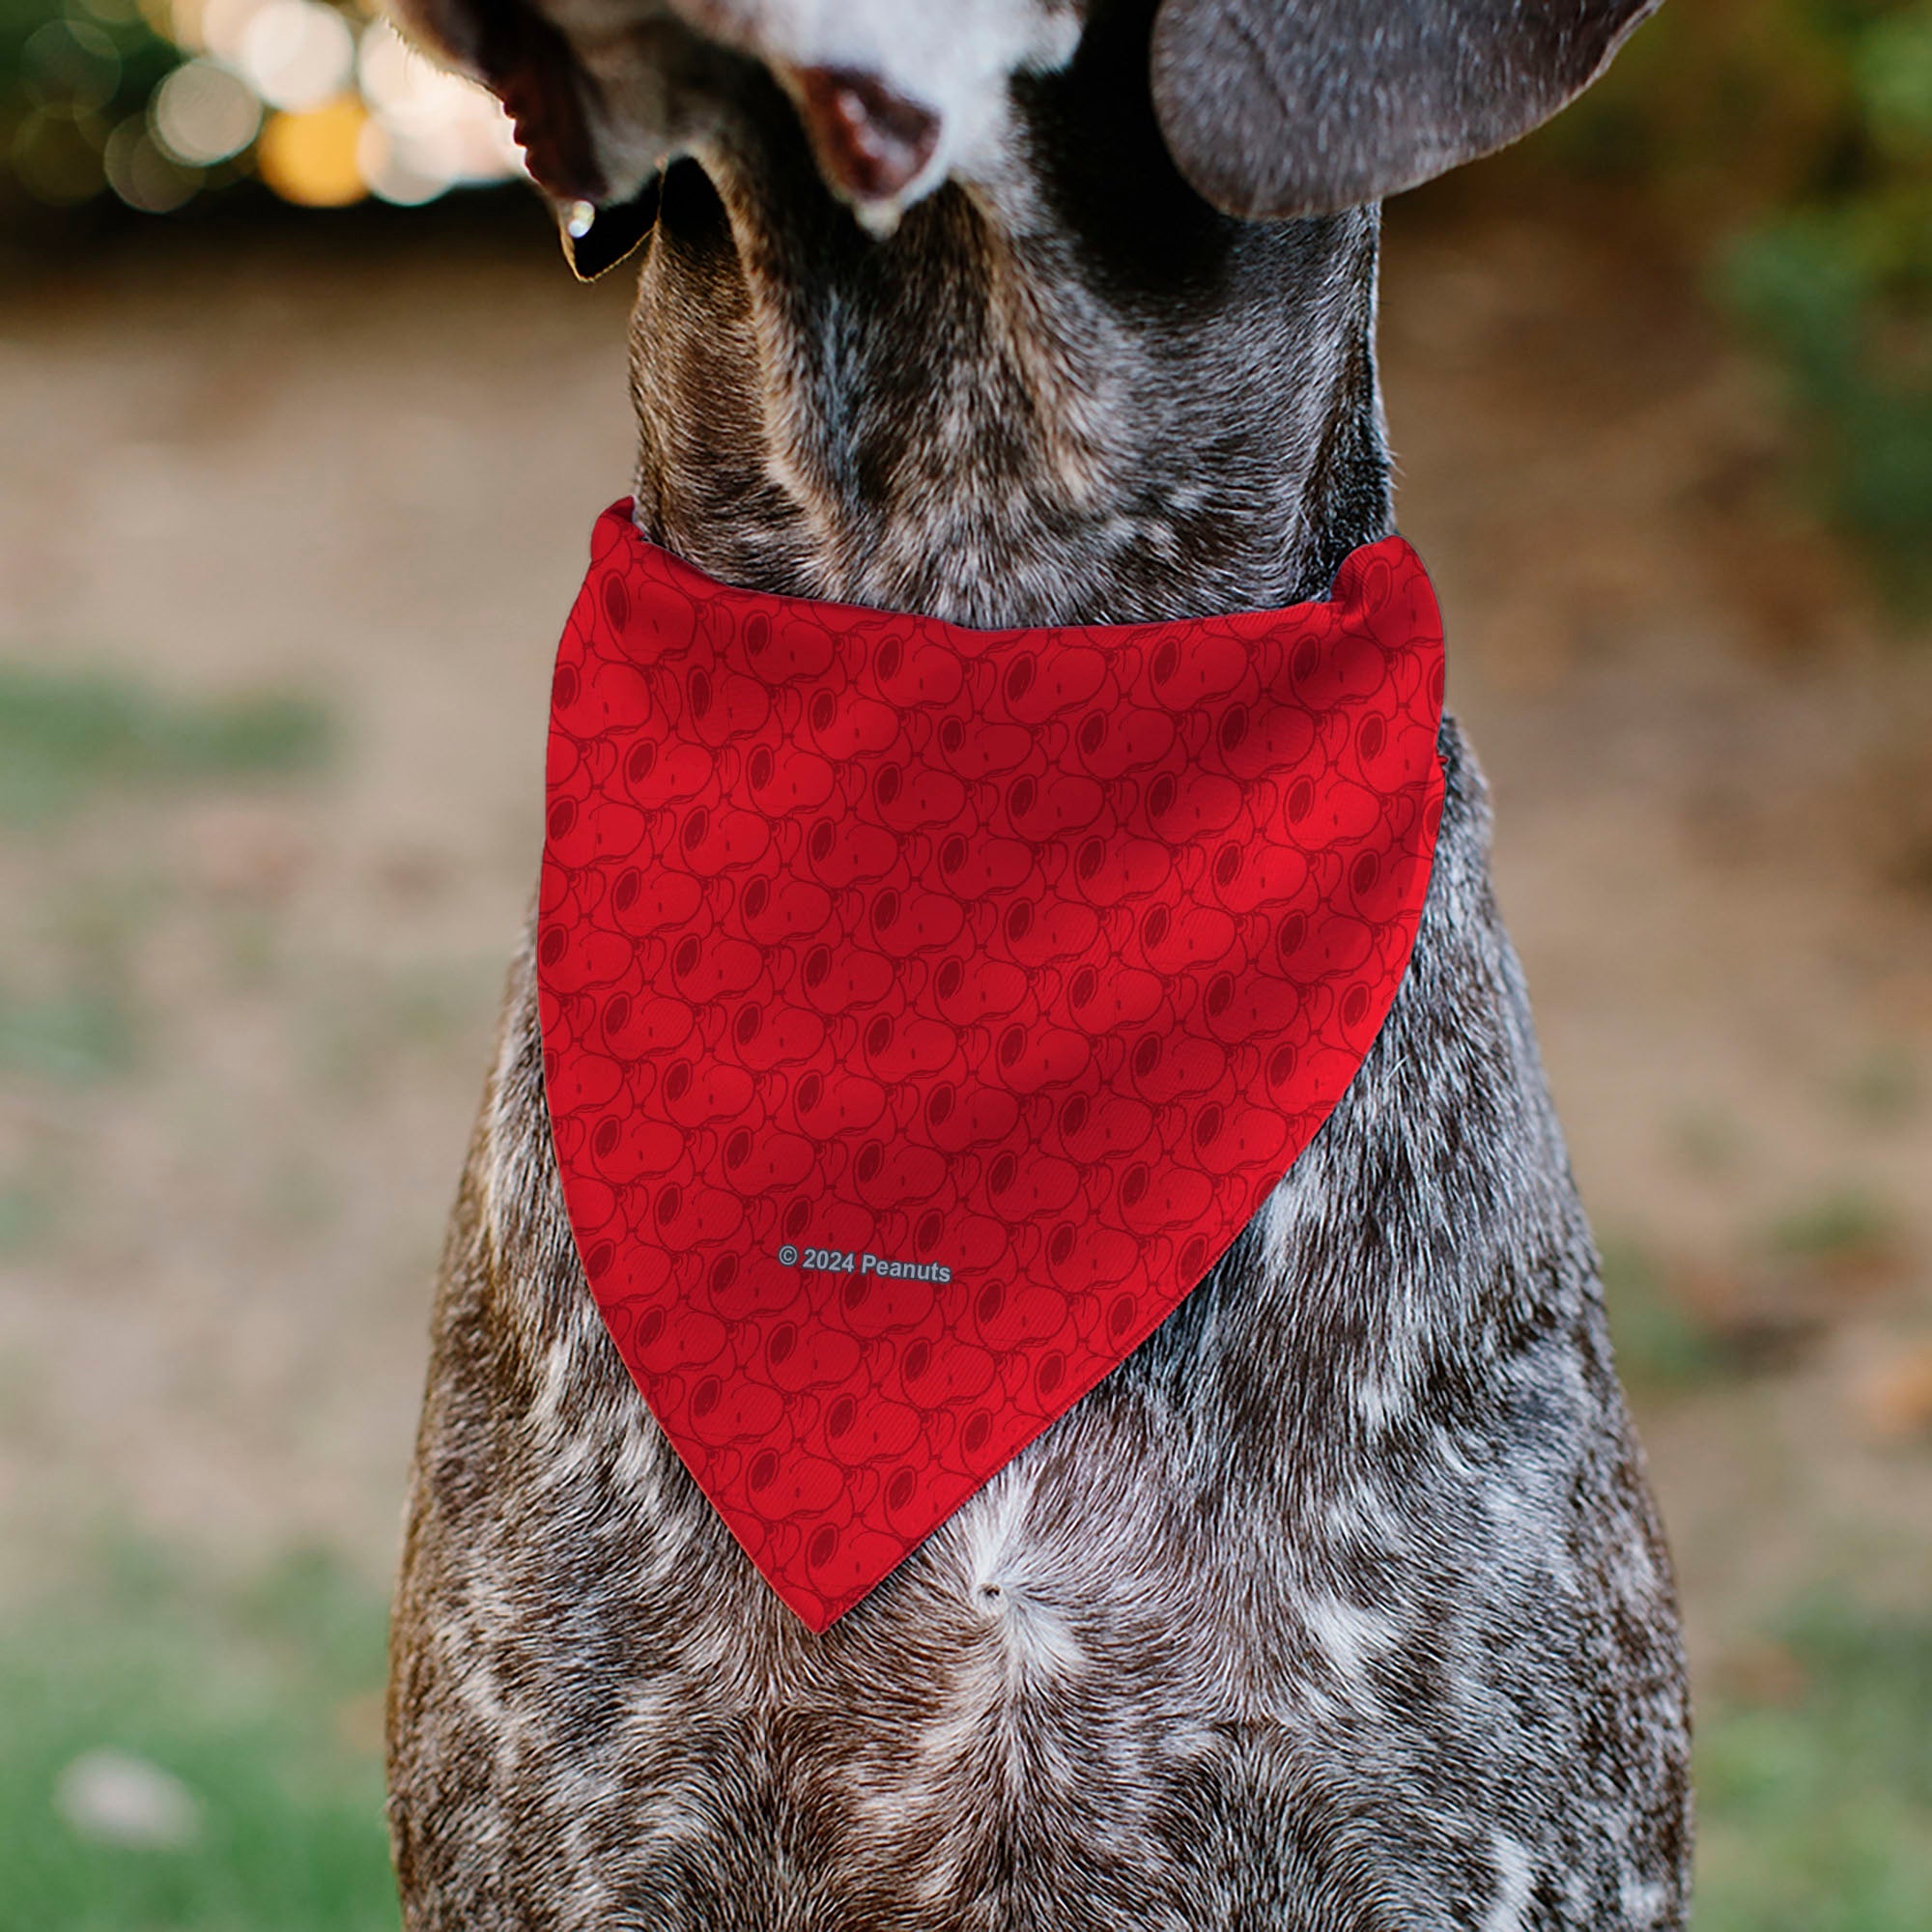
<point>244,1021</point>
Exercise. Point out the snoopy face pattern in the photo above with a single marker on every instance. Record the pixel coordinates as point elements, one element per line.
<point>926,1010</point>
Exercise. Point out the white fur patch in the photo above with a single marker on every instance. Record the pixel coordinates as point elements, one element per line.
<point>1348,1637</point>
<point>1515,1875</point>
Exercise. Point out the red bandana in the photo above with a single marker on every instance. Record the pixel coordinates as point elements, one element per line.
<point>925,1009</point>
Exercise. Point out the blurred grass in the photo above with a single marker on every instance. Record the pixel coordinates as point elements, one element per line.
<point>1680,1324</point>
<point>261,1701</point>
<point>67,735</point>
<point>1844,1227</point>
<point>1884,1087</point>
<point>72,1036</point>
<point>69,740</point>
<point>1661,1344</point>
<point>1815,1802</point>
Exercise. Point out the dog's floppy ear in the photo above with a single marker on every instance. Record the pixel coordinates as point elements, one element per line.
<point>1285,107</point>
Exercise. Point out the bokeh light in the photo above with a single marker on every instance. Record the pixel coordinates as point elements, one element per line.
<point>311,158</point>
<point>428,129</point>
<point>297,54</point>
<point>159,102</point>
<point>56,153</point>
<point>73,61</point>
<point>204,112</point>
<point>142,175</point>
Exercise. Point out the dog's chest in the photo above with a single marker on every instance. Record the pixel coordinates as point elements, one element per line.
<point>1320,1613</point>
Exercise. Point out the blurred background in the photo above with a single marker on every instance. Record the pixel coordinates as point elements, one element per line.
<point>305,425</point>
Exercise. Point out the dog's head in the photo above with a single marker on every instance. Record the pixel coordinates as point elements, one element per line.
<point>1269,109</point>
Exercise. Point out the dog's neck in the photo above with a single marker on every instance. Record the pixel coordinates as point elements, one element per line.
<point>1076,396</point>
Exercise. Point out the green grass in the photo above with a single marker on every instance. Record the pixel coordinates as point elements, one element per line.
<point>1815,1813</point>
<point>67,735</point>
<point>254,1703</point>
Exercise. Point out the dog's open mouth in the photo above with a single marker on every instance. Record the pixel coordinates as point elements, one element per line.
<point>528,65</point>
<point>525,60</point>
<point>876,146</point>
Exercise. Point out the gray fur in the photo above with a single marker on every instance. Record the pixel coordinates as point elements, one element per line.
<point>1275,109</point>
<point>1341,1604</point>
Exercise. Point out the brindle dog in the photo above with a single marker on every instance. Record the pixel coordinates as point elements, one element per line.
<point>1341,1604</point>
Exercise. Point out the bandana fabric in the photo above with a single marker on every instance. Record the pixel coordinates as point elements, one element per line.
<point>927,1010</point>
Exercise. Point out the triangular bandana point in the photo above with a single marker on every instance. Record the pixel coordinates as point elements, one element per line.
<point>927,1010</point>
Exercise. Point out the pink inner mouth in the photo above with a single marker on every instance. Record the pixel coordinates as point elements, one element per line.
<point>871,142</point>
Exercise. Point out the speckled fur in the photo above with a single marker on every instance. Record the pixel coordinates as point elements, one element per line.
<point>1341,1604</point>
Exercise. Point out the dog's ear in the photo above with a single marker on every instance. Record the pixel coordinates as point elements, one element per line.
<point>1285,107</point>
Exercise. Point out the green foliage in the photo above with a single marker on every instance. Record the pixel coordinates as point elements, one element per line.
<point>1824,287</point>
<point>1802,131</point>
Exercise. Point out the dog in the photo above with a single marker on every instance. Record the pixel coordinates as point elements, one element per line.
<point>1341,1604</point>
